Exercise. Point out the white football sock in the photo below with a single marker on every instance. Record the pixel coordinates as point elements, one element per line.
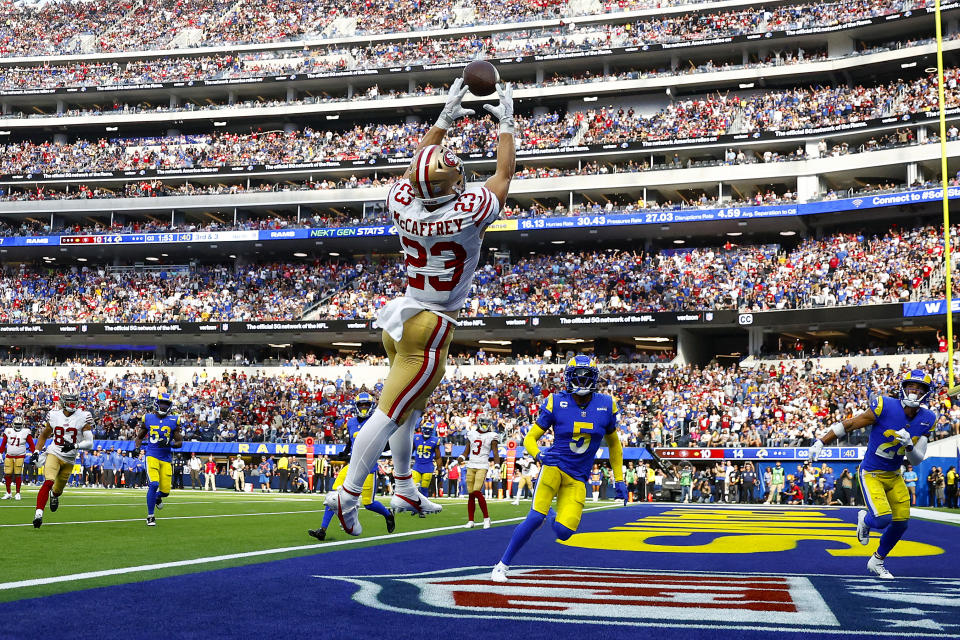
<point>401,447</point>
<point>367,448</point>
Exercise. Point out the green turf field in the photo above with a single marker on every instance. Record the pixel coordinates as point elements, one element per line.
<point>104,529</point>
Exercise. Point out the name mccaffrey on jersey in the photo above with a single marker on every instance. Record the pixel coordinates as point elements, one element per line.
<point>420,228</point>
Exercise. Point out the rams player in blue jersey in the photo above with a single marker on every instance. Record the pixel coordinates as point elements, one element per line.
<point>363,404</point>
<point>162,431</point>
<point>898,429</point>
<point>426,458</point>
<point>582,419</point>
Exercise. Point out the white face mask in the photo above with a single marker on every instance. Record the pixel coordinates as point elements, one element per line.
<point>911,399</point>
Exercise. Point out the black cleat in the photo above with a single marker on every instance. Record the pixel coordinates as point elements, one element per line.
<point>159,503</point>
<point>320,534</point>
<point>151,521</point>
<point>38,519</point>
<point>391,522</point>
<point>54,502</point>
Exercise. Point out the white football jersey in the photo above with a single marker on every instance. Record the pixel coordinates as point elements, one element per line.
<point>16,441</point>
<point>524,464</point>
<point>66,429</point>
<point>442,247</point>
<point>478,448</point>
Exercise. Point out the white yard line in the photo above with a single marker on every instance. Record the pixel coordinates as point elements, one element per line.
<point>221,515</point>
<point>936,516</point>
<point>233,556</point>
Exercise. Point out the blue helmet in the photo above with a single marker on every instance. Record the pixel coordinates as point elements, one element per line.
<point>163,404</point>
<point>364,404</point>
<point>920,377</point>
<point>426,430</point>
<point>581,375</point>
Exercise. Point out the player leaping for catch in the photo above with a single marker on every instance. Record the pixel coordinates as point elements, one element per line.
<point>440,222</point>
<point>72,429</point>
<point>581,419</point>
<point>898,429</point>
<point>163,433</point>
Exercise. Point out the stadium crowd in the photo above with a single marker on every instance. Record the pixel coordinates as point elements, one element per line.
<point>202,293</point>
<point>665,405</point>
<point>33,29</point>
<point>837,270</point>
<point>684,118</point>
<point>140,73</point>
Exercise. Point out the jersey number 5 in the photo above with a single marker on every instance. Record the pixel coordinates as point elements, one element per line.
<point>580,441</point>
<point>415,257</point>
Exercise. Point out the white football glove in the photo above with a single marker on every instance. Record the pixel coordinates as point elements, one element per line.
<point>814,451</point>
<point>903,437</point>
<point>452,109</point>
<point>503,112</point>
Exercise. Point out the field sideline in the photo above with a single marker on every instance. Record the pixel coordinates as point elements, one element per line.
<point>199,532</point>
<point>193,524</point>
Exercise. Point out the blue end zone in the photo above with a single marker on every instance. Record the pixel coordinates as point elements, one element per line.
<point>672,572</point>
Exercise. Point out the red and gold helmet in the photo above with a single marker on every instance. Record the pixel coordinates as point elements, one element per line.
<point>436,174</point>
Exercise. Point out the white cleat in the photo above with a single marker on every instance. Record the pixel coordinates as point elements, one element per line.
<point>516,503</point>
<point>414,502</point>
<point>863,531</point>
<point>486,523</point>
<point>499,573</point>
<point>344,504</point>
<point>470,524</point>
<point>17,497</point>
<point>875,565</point>
<point>7,497</point>
<point>38,519</point>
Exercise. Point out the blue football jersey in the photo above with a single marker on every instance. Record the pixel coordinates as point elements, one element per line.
<point>424,453</point>
<point>577,433</point>
<point>884,453</point>
<point>159,433</point>
<point>353,428</point>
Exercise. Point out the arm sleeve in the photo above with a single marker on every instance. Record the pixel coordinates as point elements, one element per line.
<point>616,454</point>
<point>487,210</point>
<point>546,419</point>
<point>614,415</point>
<point>530,440</point>
<point>86,443</point>
<point>919,451</point>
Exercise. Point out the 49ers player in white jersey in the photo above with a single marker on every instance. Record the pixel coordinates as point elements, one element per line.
<point>71,428</point>
<point>440,222</point>
<point>479,443</point>
<point>14,444</point>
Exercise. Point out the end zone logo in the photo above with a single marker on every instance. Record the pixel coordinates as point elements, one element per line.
<point>599,596</point>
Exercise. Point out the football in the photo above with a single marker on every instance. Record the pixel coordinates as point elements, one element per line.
<point>481,77</point>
